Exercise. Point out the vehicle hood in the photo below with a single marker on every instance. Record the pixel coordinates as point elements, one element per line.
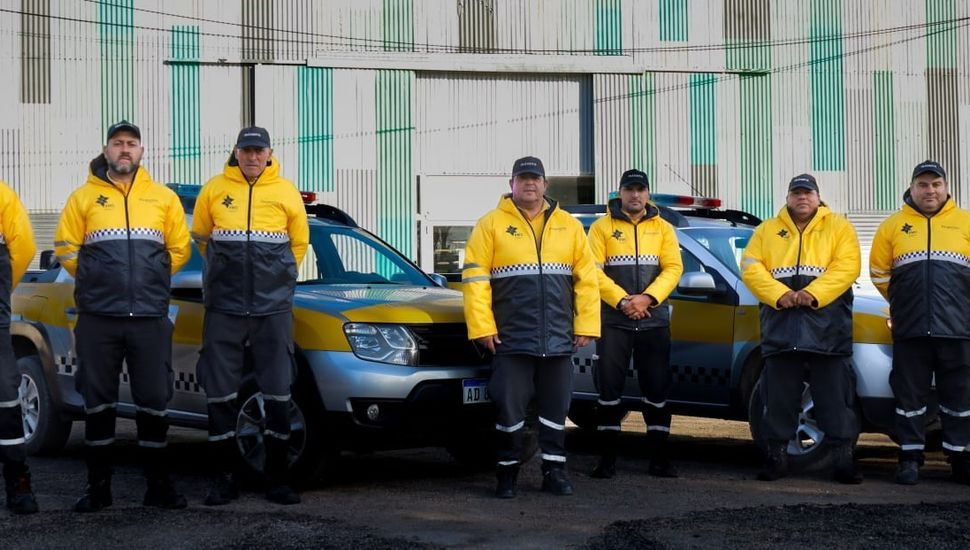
<point>383,303</point>
<point>870,305</point>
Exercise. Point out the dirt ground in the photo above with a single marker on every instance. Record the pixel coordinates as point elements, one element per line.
<point>421,498</point>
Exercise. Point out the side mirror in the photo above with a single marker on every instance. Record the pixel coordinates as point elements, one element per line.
<point>439,279</point>
<point>187,280</point>
<point>48,260</point>
<point>697,283</point>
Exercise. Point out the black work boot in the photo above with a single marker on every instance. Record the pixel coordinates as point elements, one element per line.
<point>277,472</point>
<point>907,472</point>
<point>660,465</point>
<point>97,495</point>
<point>161,493</point>
<point>222,490</point>
<point>554,479</point>
<point>506,477</point>
<point>224,486</point>
<point>776,461</point>
<point>606,468</point>
<point>844,469</point>
<point>20,497</point>
<point>960,465</point>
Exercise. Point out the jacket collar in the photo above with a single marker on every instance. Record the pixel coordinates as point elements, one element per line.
<point>615,209</point>
<point>506,205</point>
<point>908,203</point>
<point>98,173</point>
<point>233,173</point>
<point>822,213</point>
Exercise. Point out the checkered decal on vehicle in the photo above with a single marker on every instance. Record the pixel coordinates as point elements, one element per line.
<point>582,365</point>
<point>811,270</point>
<point>632,260</point>
<point>187,382</point>
<point>66,364</point>
<point>704,376</point>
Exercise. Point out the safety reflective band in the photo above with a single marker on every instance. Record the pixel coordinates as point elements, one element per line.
<point>910,414</point>
<point>553,458</point>
<point>10,442</point>
<point>658,429</point>
<point>951,412</point>
<point>507,462</point>
<point>271,397</point>
<point>550,424</point>
<point>153,444</point>
<point>153,412</point>
<point>956,448</point>
<point>913,447</point>
<point>99,442</point>
<point>99,408</point>
<point>9,404</point>
<point>608,428</point>
<point>658,405</point>
<point>609,403</point>
<point>476,279</point>
<point>277,435</point>
<point>222,437</point>
<point>510,429</point>
<point>222,399</point>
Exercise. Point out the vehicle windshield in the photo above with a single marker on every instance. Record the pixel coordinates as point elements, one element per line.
<point>340,255</point>
<point>726,243</point>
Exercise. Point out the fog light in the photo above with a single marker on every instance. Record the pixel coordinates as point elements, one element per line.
<point>373,411</point>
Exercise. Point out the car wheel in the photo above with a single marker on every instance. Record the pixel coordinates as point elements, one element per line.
<point>308,457</point>
<point>808,450</point>
<point>44,430</point>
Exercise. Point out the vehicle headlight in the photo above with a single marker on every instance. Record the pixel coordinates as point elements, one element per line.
<point>383,343</point>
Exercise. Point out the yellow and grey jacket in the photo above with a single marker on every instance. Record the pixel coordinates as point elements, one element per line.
<point>253,238</point>
<point>534,293</point>
<point>122,248</point>
<point>921,264</point>
<point>635,258</point>
<point>16,247</point>
<point>823,260</point>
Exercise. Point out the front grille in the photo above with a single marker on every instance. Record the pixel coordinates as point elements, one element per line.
<point>447,344</point>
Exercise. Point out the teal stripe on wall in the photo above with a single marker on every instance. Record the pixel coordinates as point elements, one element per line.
<point>755,141</point>
<point>116,20</point>
<point>941,42</point>
<point>609,27</point>
<point>314,90</point>
<point>395,173</point>
<point>673,20</point>
<point>702,120</point>
<point>186,154</point>
<point>884,139</point>
<point>397,17</point>
<point>828,101</point>
<point>643,124</point>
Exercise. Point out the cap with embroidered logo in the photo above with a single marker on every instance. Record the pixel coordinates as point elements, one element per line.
<point>528,165</point>
<point>254,136</point>
<point>803,181</point>
<point>929,166</point>
<point>634,178</point>
<point>123,126</point>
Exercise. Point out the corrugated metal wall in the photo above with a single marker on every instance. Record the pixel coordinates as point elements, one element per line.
<point>726,97</point>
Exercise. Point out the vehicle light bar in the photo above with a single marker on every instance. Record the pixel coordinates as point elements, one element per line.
<point>663,199</point>
<point>309,197</point>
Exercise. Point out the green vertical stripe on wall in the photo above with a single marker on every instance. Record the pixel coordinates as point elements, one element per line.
<point>884,139</point>
<point>941,40</point>
<point>609,27</point>
<point>186,153</point>
<point>397,18</point>
<point>673,20</point>
<point>116,20</point>
<point>702,127</point>
<point>395,140</point>
<point>755,141</point>
<point>643,124</point>
<point>828,101</point>
<point>314,91</point>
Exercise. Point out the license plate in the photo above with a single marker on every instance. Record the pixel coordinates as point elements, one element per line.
<point>474,390</point>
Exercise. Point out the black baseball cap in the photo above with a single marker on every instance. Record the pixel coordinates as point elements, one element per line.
<point>254,136</point>
<point>122,126</point>
<point>634,178</point>
<point>528,165</point>
<point>803,181</point>
<point>930,166</point>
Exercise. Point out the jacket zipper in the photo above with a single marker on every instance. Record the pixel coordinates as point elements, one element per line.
<point>542,283</point>
<point>131,252</point>
<point>636,262</point>
<point>798,263</point>
<point>249,245</point>
<point>929,274</point>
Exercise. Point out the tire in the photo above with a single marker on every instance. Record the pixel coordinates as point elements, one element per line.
<point>808,451</point>
<point>44,430</point>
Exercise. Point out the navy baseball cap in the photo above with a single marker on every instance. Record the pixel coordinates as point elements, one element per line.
<point>634,178</point>
<point>803,181</point>
<point>254,136</point>
<point>528,165</point>
<point>929,166</point>
<point>123,126</point>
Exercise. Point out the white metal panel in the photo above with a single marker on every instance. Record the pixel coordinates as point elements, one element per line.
<point>552,25</point>
<point>357,195</point>
<point>350,25</point>
<point>276,111</point>
<point>673,172</point>
<point>354,122</point>
<point>612,131</point>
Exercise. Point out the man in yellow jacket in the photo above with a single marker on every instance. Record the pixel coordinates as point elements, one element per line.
<point>531,299</point>
<point>801,265</point>
<point>16,250</point>
<point>122,236</point>
<point>920,261</point>
<point>250,225</point>
<point>639,265</point>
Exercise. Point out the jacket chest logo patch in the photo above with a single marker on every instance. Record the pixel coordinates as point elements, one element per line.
<point>618,235</point>
<point>513,230</point>
<point>102,200</point>
<point>227,202</point>
<point>783,233</point>
<point>908,229</point>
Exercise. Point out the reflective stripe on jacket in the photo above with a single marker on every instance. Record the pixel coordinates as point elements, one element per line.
<point>253,238</point>
<point>640,258</point>
<point>122,248</point>
<point>823,260</point>
<point>921,264</point>
<point>534,296</point>
<point>17,247</point>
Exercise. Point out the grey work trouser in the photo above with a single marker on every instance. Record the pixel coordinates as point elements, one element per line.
<point>11,420</point>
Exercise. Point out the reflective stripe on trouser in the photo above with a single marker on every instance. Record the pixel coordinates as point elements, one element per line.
<point>11,421</point>
<point>144,345</point>
<point>220,369</point>
<point>516,379</point>
<point>832,382</point>
<point>914,363</point>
